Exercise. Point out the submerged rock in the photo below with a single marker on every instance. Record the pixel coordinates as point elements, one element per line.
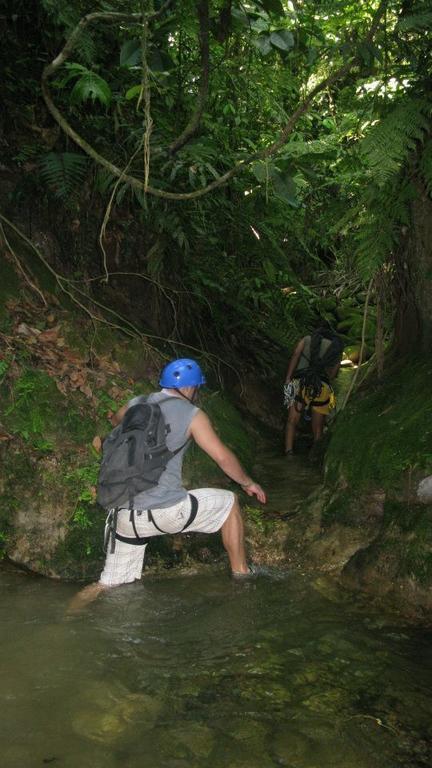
<point>105,711</point>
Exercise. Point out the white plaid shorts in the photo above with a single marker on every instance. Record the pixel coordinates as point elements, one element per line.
<point>125,564</point>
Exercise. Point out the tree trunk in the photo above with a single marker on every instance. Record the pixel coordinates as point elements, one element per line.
<point>413,280</point>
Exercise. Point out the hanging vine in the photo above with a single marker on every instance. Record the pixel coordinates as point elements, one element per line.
<point>262,154</point>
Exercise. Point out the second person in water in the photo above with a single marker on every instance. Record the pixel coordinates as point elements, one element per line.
<point>314,364</point>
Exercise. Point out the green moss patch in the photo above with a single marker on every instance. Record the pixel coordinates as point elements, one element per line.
<point>37,412</point>
<point>385,431</point>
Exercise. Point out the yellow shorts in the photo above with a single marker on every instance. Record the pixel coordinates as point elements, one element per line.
<point>322,403</point>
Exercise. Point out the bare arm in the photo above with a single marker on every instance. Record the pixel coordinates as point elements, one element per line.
<point>294,360</point>
<point>333,372</point>
<point>204,435</point>
<point>117,417</point>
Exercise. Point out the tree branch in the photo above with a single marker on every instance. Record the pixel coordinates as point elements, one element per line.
<point>192,126</point>
<point>260,155</point>
<point>90,18</point>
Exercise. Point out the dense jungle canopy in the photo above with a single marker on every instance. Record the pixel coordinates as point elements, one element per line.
<point>222,173</point>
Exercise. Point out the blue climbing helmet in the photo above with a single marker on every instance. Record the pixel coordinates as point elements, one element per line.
<point>182,373</point>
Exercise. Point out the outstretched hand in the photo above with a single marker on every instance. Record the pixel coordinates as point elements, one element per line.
<point>255,490</point>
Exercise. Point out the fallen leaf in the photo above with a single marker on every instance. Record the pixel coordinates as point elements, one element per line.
<point>24,330</point>
<point>50,335</point>
<point>85,389</point>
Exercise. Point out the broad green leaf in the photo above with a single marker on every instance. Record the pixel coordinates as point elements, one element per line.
<point>130,53</point>
<point>260,25</point>
<point>329,123</point>
<point>262,42</point>
<point>259,170</point>
<point>240,16</point>
<point>91,86</point>
<point>285,188</point>
<point>282,39</point>
<point>133,92</point>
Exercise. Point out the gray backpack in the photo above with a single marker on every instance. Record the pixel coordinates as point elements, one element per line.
<point>135,455</point>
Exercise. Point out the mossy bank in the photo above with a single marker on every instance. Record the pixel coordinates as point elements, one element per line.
<point>60,379</point>
<point>372,521</point>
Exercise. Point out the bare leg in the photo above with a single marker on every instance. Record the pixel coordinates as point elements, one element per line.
<point>233,539</point>
<point>85,596</point>
<point>317,425</point>
<point>294,417</point>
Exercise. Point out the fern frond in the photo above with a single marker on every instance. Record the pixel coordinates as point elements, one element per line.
<point>389,143</point>
<point>417,21</point>
<point>27,152</point>
<point>86,47</point>
<point>104,180</point>
<point>63,172</point>
<point>378,225</point>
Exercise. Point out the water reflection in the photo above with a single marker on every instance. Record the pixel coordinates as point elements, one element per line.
<point>200,670</point>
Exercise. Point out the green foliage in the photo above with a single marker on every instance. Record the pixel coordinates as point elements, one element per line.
<point>63,173</point>
<point>418,21</point>
<point>88,85</point>
<point>83,482</point>
<point>257,516</point>
<point>91,86</point>
<point>67,16</point>
<point>240,265</point>
<point>4,366</point>
<point>392,426</point>
<point>389,143</point>
<point>38,413</point>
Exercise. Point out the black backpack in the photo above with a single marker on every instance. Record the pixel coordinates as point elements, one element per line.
<point>135,455</point>
<point>316,372</point>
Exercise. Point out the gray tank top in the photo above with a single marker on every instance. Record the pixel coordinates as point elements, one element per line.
<point>178,413</point>
<point>304,361</point>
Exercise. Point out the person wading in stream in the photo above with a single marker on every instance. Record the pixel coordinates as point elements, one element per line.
<point>166,507</point>
<point>313,365</point>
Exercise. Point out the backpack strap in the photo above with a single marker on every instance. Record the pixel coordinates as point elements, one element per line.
<point>166,400</point>
<point>140,540</point>
<point>189,521</point>
<point>137,540</point>
<point>110,533</point>
<point>193,512</point>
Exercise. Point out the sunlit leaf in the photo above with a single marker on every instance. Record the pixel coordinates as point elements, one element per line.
<point>133,92</point>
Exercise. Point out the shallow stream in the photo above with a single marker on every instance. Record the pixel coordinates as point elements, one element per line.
<point>200,670</point>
